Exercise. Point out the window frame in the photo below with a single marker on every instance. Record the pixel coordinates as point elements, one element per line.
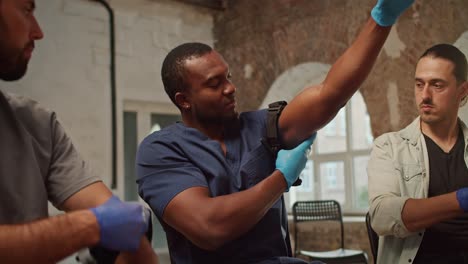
<point>350,207</point>
<point>144,110</point>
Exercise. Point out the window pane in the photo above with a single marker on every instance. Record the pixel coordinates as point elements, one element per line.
<point>360,181</point>
<point>332,138</point>
<point>306,190</point>
<point>332,181</point>
<point>130,149</point>
<point>159,121</point>
<point>361,128</point>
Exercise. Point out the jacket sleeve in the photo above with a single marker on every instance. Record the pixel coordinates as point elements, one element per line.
<point>385,199</point>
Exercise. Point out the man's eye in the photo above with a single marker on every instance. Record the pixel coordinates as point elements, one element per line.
<point>213,84</point>
<point>28,9</point>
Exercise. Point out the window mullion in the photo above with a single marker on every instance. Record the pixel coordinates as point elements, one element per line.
<point>349,174</point>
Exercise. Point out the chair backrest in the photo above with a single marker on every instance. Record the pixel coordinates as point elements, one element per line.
<point>373,237</point>
<point>319,210</point>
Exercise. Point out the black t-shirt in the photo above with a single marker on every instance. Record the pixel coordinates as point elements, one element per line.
<point>448,173</point>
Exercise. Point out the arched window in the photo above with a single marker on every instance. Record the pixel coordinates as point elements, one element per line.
<point>337,165</point>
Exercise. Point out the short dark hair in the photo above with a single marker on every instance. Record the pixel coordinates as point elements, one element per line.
<point>453,54</point>
<point>172,71</point>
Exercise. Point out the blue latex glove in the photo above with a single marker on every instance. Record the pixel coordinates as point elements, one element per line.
<point>292,162</point>
<point>462,197</point>
<point>386,12</point>
<point>121,224</point>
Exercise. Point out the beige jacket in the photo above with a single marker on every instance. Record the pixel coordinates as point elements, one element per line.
<point>398,169</point>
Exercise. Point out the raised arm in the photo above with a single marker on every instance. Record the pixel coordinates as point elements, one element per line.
<point>317,105</point>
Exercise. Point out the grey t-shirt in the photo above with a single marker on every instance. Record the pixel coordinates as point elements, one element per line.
<point>38,161</point>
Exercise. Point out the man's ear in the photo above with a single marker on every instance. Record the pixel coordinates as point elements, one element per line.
<point>182,101</point>
<point>465,88</point>
<point>464,93</point>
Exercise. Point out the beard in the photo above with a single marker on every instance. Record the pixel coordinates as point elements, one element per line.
<point>12,67</point>
<point>218,119</point>
<point>13,63</point>
<point>431,117</point>
<point>231,118</point>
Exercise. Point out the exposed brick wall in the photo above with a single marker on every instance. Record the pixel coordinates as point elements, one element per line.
<point>272,36</point>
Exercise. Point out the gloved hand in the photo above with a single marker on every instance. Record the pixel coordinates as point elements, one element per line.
<point>292,162</point>
<point>462,197</point>
<point>386,12</point>
<point>121,224</point>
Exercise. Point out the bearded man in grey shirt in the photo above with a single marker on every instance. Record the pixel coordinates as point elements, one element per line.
<point>38,162</point>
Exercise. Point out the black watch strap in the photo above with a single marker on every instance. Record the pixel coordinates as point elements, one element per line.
<point>272,136</point>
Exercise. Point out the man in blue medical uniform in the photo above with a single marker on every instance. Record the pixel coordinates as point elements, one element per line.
<point>214,180</point>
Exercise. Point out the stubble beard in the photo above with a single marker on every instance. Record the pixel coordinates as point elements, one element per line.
<point>13,64</point>
<point>219,120</point>
<point>12,68</point>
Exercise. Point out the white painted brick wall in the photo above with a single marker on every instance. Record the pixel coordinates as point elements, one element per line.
<point>69,71</point>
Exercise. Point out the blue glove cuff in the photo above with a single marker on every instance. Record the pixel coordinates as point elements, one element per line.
<point>121,225</point>
<point>292,162</point>
<point>100,221</point>
<point>462,197</point>
<point>386,12</point>
<point>381,18</point>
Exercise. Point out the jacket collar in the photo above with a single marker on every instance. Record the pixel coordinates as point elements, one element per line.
<point>465,132</point>
<point>412,132</point>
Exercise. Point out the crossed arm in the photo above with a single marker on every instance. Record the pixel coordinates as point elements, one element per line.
<point>419,214</point>
<point>392,211</point>
<point>52,239</point>
<point>217,220</point>
<point>48,240</point>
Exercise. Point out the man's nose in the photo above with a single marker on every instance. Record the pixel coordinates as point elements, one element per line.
<point>36,33</point>
<point>230,88</point>
<point>426,92</point>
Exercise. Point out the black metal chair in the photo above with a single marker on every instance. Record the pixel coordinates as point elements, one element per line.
<point>373,237</point>
<point>324,210</point>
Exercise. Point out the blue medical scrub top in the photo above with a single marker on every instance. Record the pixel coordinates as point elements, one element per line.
<point>179,157</point>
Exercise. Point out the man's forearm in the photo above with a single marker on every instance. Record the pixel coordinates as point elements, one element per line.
<point>419,214</point>
<point>215,221</point>
<point>48,240</point>
<point>239,212</point>
<point>145,254</point>
<point>353,67</point>
<point>316,106</point>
